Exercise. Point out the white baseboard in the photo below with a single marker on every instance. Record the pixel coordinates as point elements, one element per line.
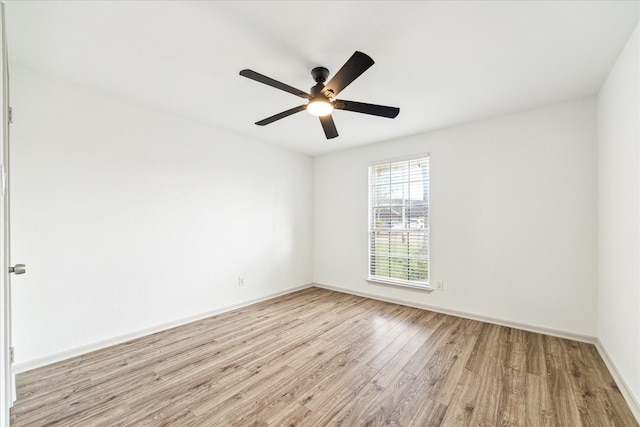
<point>628,395</point>
<point>98,345</point>
<point>466,315</point>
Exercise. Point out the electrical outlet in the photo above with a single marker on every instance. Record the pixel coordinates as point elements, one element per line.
<point>439,285</point>
<point>240,281</point>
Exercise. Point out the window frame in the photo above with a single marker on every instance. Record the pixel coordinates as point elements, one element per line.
<point>425,231</point>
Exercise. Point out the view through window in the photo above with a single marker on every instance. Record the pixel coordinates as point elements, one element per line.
<point>399,221</point>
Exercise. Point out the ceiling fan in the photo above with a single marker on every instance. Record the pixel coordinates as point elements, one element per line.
<point>322,99</point>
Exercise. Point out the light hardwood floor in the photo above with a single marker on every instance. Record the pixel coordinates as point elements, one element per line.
<point>318,357</point>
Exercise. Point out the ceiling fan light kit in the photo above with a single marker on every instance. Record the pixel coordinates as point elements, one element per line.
<point>319,107</point>
<point>322,99</point>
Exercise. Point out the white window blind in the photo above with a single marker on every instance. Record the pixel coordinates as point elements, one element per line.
<point>399,222</point>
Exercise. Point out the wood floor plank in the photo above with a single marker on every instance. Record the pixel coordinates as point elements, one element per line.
<point>208,387</point>
<point>290,416</point>
<point>430,413</point>
<point>463,400</point>
<point>141,350</point>
<point>101,369</point>
<point>339,395</point>
<point>485,412</point>
<point>539,408</point>
<point>331,372</point>
<point>590,399</point>
<point>168,391</point>
<point>105,387</point>
<point>433,374</point>
<point>323,358</point>
<point>449,327</point>
<point>308,377</point>
<point>238,391</point>
<point>357,406</point>
<point>393,367</point>
<point>485,356</point>
<point>559,384</point>
<point>381,410</point>
<point>445,376</point>
<point>511,409</point>
<point>608,391</point>
<point>535,354</point>
<point>400,338</point>
<point>266,402</point>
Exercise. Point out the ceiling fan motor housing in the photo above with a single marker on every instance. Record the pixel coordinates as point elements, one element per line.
<point>316,91</point>
<point>320,75</point>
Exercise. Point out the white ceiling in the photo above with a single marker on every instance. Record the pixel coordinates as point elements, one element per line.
<point>442,62</point>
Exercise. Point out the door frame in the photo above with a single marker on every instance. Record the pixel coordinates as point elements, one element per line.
<point>7,390</point>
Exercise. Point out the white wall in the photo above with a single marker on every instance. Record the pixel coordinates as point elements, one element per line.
<point>129,218</point>
<point>513,217</point>
<point>619,215</point>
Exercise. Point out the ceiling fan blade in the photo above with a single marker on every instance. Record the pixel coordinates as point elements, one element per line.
<point>329,126</point>
<point>281,115</point>
<point>351,70</point>
<point>361,107</point>
<point>250,74</point>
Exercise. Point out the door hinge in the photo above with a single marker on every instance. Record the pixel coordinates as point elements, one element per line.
<point>12,354</point>
<point>10,115</point>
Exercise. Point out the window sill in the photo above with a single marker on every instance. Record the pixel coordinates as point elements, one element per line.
<point>425,288</point>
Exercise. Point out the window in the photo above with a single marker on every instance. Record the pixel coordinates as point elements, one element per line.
<point>399,222</point>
